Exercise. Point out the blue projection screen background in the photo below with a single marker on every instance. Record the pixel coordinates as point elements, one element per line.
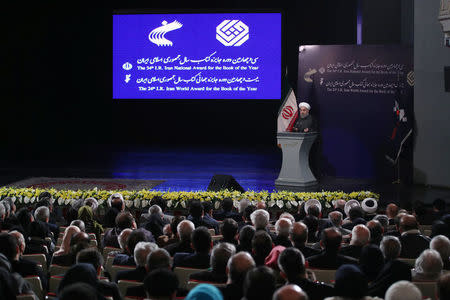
<point>197,56</point>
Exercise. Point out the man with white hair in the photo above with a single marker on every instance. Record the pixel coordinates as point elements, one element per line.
<point>141,251</point>
<point>441,244</point>
<point>237,267</point>
<point>393,269</point>
<point>282,228</point>
<point>220,255</point>
<point>290,292</point>
<point>335,218</point>
<point>305,122</point>
<point>260,220</point>
<point>403,290</point>
<point>184,231</point>
<point>155,223</point>
<point>360,238</point>
<point>428,266</point>
<point>42,214</point>
<point>23,266</point>
<point>116,205</point>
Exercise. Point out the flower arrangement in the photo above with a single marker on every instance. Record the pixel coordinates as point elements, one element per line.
<point>180,199</point>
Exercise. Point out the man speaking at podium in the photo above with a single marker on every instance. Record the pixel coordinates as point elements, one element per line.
<point>305,122</point>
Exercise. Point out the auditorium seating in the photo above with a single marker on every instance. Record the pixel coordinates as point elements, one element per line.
<point>326,276</point>
<point>36,286</point>
<point>193,283</point>
<point>57,270</point>
<point>183,275</point>
<point>25,297</point>
<point>116,268</point>
<point>107,250</point>
<point>428,289</point>
<point>124,284</point>
<point>38,258</point>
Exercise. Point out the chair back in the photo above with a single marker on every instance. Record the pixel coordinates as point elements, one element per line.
<point>25,297</point>
<point>428,289</point>
<point>38,258</point>
<point>116,268</point>
<point>36,286</point>
<point>58,270</point>
<point>54,283</point>
<point>124,284</point>
<point>183,275</point>
<point>322,275</point>
<point>193,283</point>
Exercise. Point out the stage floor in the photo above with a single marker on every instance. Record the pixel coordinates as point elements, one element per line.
<point>191,169</point>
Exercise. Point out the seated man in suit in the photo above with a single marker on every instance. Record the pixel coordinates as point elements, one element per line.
<point>360,238</point>
<point>391,212</point>
<point>219,259</point>
<point>124,220</point>
<point>184,232</point>
<point>229,231</point>
<point>161,284</point>
<point>335,220</point>
<point>376,232</point>
<point>260,220</point>
<point>227,211</point>
<point>43,213</point>
<point>141,251</point>
<point>329,257</point>
<point>282,228</point>
<point>155,222</point>
<point>356,216</point>
<point>23,266</point>
<point>136,236</point>
<point>413,242</point>
<point>208,215</point>
<point>237,268</point>
<point>261,247</point>
<point>78,242</point>
<point>116,205</point>
<point>292,268</point>
<point>299,238</point>
<point>202,243</point>
<point>441,244</point>
<point>428,266</point>
<point>393,269</point>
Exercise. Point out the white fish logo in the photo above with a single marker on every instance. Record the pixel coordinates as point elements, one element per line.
<point>156,36</point>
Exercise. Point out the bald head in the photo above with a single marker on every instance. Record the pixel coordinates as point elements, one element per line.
<point>238,265</point>
<point>335,218</point>
<point>360,235</point>
<point>331,239</point>
<point>185,229</point>
<point>290,292</point>
<point>283,226</point>
<point>376,231</point>
<point>340,204</point>
<point>299,233</point>
<point>261,205</point>
<point>391,210</point>
<point>408,222</point>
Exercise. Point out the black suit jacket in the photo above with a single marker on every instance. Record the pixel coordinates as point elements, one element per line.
<point>209,276</point>
<point>155,225</point>
<point>64,260</point>
<point>282,241</point>
<point>137,274</point>
<point>110,238</point>
<point>351,250</point>
<point>413,244</point>
<point>191,260</point>
<point>307,251</point>
<point>179,247</point>
<point>314,290</point>
<point>332,261</point>
<point>392,272</point>
<point>221,215</point>
<point>27,267</point>
<point>124,260</point>
<point>232,291</point>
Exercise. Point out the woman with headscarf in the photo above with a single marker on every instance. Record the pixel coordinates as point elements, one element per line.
<point>85,273</point>
<point>86,214</point>
<point>65,245</point>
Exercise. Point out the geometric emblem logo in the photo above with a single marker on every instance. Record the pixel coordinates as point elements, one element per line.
<point>410,78</point>
<point>156,36</point>
<point>232,33</point>
<point>288,112</point>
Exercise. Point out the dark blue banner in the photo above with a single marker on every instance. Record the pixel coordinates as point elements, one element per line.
<point>197,56</point>
<point>359,94</point>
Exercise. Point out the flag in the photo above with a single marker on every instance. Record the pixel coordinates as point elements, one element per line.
<point>402,129</point>
<point>288,111</point>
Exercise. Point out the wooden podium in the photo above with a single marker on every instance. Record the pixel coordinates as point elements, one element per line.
<point>295,171</point>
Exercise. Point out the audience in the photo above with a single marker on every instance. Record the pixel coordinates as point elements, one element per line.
<point>219,259</point>
<point>141,251</point>
<point>299,237</point>
<point>184,231</point>
<point>428,266</point>
<point>360,238</point>
<point>292,266</point>
<point>441,244</point>
<point>329,258</point>
<point>237,268</point>
<point>413,242</point>
<point>403,290</point>
<point>282,230</point>
<point>290,292</point>
<point>201,242</point>
<point>259,284</point>
<point>250,257</point>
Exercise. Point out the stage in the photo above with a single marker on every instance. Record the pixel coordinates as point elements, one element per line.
<point>182,168</point>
